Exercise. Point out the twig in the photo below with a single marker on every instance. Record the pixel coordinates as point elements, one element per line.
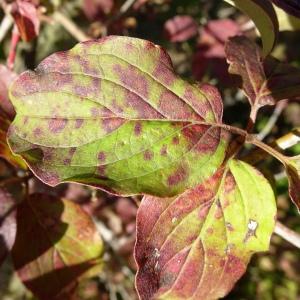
<point>273,119</point>
<point>13,48</point>
<point>5,26</point>
<point>71,27</point>
<point>126,6</point>
<point>287,234</point>
<point>287,141</point>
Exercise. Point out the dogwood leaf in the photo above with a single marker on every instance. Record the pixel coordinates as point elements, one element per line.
<point>57,244</point>
<point>263,81</point>
<point>198,244</point>
<point>264,16</point>
<point>112,113</point>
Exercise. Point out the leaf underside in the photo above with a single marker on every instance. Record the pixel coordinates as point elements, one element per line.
<point>112,113</point>
<point>198,244</point>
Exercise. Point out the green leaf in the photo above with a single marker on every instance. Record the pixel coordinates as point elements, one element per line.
<point>263,15</point>
<point>198,244</point>
<point>57,244</point>
<point>112,113</point>
<point>263,81</point>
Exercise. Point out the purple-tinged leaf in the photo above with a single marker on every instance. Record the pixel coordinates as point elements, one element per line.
<point>113,114</point>
<point>197,245</point>
<point>210,55</point>
<point>96,9</point>
<point>263,81</point>
<point>180,28</point>
<point>8,225</point>
<point>57,244</point>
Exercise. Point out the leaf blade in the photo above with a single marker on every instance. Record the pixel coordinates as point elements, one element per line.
<point>196,246</point>
<point>66,246</point>
<point>152,123</point>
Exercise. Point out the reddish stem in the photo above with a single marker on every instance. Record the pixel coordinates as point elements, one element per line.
<point>13,48</point>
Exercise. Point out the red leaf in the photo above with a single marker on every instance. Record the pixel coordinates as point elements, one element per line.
<point>210,55</point>
<point>197,245</point>
<point>264,81</point>
<point>180,28</point>
<point>95,9</point>
<point>26,18</point>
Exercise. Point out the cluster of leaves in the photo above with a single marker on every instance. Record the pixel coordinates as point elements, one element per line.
<point>112,114</point>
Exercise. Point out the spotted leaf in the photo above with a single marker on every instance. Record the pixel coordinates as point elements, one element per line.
<point>57,244</point>
<point>112,113</point>
<point>198,244</point>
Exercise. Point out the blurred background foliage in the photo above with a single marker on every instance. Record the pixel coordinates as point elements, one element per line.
<point>193,32</point>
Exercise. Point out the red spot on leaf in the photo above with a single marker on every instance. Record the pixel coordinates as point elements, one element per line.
<point>67,161</point>
<point>175,140</point>
<point>179,176</point>
<point>133,79</point>
<point>57,125</point>
<point>101,156</point>
<point>148,155</point>
<point>78,123</point>
<point>112,124</point>
<point>37,132</point>
<point>138,128</point>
